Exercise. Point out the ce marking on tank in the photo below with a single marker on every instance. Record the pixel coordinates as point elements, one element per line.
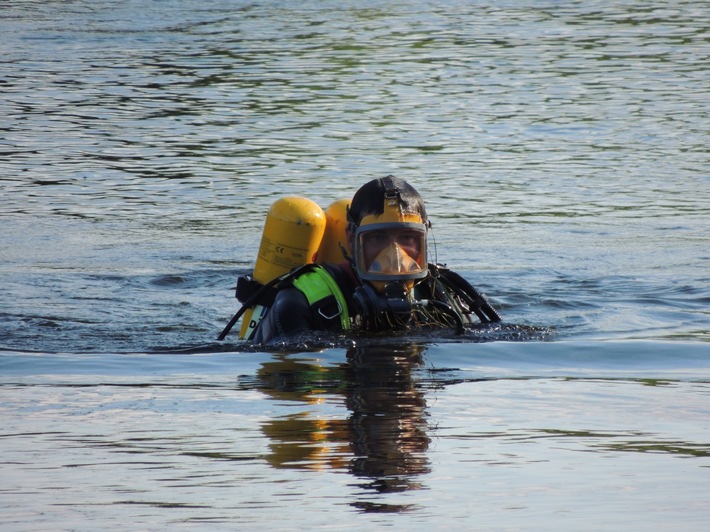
<point>280,249</point>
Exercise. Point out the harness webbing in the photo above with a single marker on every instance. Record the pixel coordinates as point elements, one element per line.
<point>319,286</point>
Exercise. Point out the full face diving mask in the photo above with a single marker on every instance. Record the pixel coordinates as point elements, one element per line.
<point>391,247</point>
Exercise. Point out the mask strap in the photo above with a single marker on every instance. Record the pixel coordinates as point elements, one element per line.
<point>391,201</point>
<point>391,191</point>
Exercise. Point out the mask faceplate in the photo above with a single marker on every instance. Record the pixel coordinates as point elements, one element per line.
<point>392,251</point>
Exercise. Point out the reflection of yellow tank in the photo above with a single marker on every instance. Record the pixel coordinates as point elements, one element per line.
<point>292,235</point>
<point>303,442</point>
<point>334,236</point>
<point>303,439</point>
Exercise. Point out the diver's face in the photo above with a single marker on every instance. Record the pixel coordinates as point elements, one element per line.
<point>389,250</point>
<point>408,240</point>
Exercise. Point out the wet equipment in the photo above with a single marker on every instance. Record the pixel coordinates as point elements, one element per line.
<point>292,234</point>
<point>297,232</point>
<point>334,238</point>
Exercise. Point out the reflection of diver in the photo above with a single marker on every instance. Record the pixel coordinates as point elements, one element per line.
<point>388,420</point>
<point>384,439</point>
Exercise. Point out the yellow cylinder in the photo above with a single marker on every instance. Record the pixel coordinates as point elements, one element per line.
<point>335,233</point>
<point>292,234</point>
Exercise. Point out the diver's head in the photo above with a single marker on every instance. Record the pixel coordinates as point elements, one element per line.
<point>387,233</point>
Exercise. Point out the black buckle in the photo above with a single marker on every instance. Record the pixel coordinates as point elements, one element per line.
<point>391,191</point>
<point>331,305</point>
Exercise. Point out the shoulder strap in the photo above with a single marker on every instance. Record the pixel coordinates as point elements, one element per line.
<point>323,294</point>
<point>259,294</point>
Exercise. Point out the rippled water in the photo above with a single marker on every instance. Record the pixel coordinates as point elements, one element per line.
<point>562,152</point>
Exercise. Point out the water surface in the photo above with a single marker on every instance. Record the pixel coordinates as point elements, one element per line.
<point>562,153</point>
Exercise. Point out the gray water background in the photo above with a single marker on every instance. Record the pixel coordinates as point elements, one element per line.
<point>562,152</point>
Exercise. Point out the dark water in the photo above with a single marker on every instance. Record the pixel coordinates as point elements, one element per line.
<point>562,152</point>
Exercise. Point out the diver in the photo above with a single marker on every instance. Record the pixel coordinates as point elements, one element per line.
<point>384,283</point>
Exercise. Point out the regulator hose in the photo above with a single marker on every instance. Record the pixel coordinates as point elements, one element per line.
<point>254,298</point>
<point>477,300</point>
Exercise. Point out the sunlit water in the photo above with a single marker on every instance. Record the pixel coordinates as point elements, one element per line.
<point>562,152</point>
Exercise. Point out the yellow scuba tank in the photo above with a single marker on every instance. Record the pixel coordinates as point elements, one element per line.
<point>292,233</point>
<point>336,224</point>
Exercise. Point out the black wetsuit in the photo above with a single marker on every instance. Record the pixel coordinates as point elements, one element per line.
<point>291,313</point>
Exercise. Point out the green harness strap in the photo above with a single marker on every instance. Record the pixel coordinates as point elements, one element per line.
<point>318,285</point>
